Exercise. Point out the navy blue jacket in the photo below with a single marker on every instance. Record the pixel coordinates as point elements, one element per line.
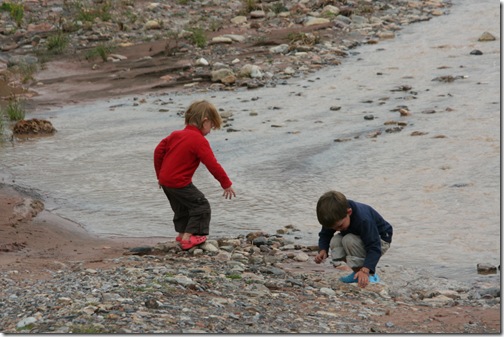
<point>369,225</point>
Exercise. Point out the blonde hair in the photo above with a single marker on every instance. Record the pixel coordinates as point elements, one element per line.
<point>199,111</point>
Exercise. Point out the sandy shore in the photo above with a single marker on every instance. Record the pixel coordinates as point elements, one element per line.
<point>34,240</point>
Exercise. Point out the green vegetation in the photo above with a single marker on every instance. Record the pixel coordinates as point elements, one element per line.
<point>16,11</point>
<point>328,15</point>
<point>14,110</point>
<point>304,38</point>
<point>139,289</point>
<point>105,12</point>
<point>249,5</point>
<point>89,13</point>
<point>215,25</point>
<point>234,277</point>
<point>57,44</point>
<point>197,37</point>
<point>102,51</point>
<point>26,71</point>
<point>172,42</point>
<point>26,328</point>
<point>132,17</point>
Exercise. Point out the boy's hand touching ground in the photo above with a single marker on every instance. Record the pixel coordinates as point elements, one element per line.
<point>229,193</point>
<point>362,277</point>
<point>321,256</point>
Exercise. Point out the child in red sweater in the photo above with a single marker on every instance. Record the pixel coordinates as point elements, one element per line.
<point>176,158</point>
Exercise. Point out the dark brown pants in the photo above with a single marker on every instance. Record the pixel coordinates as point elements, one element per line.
<point>191,209</point>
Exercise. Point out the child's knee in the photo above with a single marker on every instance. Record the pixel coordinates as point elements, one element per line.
<point>336,241</point>
<point>353,245</point>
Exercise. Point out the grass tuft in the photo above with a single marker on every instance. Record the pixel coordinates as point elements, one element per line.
<point>57,44</point>
<point>102,51</point>
<point>16,11</point>
<point>14,110</point>
<point>249,5</point>
<point>26,71</point>
<point>198,37</point>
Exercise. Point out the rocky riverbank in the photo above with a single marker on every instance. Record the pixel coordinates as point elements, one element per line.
<point>255,284</point>
<point>56,278</point>
<point>110,48</point>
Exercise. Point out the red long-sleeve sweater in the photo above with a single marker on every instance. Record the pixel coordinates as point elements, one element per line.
<point>177,157</point>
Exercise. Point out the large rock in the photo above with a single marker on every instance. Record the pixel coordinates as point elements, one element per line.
<point>33,126</point>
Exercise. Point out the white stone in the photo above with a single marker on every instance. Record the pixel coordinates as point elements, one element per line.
<point>301,257</point>
<point>280,49</point>
<point>201,62</point>
<point>152,24</point>
<point>289,71</point>
<point>327,291</point>
<point>235,37</point>
<point>119,57</point>
<point>238,20</point>
<point>311,21</point>
<point>251,70</point>
<point>153,5</point>
<point>331,9</point>
<point>208,247</point>
<point>221,39</point>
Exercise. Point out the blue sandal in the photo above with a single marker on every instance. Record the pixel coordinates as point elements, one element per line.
<point>374,278</point>
<point>349,278</point>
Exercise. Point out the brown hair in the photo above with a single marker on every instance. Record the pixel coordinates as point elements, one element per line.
<point>199,111</point>
<point>331,207</point>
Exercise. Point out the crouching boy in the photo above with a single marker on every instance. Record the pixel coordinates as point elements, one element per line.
<point>355,233</point>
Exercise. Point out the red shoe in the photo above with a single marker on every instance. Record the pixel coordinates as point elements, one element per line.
<point>194,240</point>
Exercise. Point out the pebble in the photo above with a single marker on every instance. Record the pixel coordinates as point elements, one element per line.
<point>235,288</point>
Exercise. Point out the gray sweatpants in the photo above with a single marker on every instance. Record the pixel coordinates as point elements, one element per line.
<point>352,248</point>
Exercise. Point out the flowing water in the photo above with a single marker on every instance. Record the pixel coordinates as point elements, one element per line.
<point>439,190</point>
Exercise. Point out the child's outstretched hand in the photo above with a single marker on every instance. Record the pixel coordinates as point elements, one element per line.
<point>321,256</point>
<point>229,193</point>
